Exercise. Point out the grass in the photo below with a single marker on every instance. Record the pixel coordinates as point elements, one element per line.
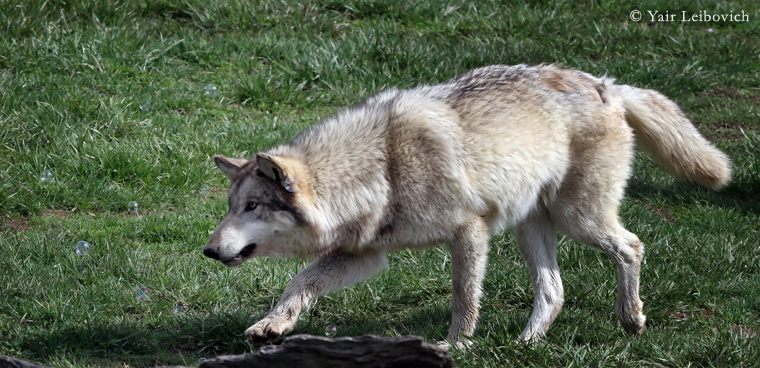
<point>74,73</point>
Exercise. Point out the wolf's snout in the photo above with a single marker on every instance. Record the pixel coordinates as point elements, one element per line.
<point>211,253</point>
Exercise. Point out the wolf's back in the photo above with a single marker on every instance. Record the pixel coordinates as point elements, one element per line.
<point>662,130</point>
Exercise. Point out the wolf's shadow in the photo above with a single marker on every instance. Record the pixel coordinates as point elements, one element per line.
<point>135,344</point>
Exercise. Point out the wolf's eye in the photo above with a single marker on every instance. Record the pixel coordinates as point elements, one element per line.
<point>251,206</point>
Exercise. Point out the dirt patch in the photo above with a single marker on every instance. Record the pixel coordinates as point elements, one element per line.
<point>738,94</point>
<point>727,131</point>
<point>15,224</point>
<point>723,131</point>
<point>697,313</point>
<point>744,330</point>
<point>57,213</point>
<point>24,223</point>
<point>62,213</point>
<point>664,212</point>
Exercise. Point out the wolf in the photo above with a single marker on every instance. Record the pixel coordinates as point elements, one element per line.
<point>539,149</point>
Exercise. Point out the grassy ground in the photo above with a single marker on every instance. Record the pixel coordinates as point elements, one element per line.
<point>74,73</point>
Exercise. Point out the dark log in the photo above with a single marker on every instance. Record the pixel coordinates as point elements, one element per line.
<point>6,362</point>
<point>345,352</point>
<point>321,352</point>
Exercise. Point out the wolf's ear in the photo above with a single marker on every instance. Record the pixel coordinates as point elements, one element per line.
<point>229,166</point>
<point>276,168</point>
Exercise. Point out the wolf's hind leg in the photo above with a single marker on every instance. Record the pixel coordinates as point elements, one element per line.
<point>469,255</point>
<point>537,239</point>
<point>627,251</point>
<point>319,277</point>
<point>586,209</point>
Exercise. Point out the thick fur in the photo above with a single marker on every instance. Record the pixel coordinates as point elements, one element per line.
<point>539,149</point>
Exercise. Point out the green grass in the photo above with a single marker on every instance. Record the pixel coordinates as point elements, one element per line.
<point>73,73</point>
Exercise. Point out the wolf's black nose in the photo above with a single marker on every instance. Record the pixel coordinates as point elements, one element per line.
<point>211,253</point>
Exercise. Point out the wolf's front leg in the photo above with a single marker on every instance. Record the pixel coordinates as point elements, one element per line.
<point>469,255</point>
<point>319,277</point>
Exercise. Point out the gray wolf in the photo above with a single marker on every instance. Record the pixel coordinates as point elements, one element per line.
<point>540,149</point>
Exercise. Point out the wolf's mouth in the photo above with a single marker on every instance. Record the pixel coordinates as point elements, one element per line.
<point>246,251</point>
<point>241,257</point>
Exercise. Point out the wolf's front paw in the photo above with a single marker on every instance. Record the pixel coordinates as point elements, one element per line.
<point>460,344</point>
<point>634,324</point>
<point>269,328</point>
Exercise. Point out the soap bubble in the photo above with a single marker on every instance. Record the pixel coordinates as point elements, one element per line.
<point>202,360</point>
<point>289,185</point>
<point>180,308</point>
<point>210,90</point>
<point>142,294</point>
<point>145,106</point>
<point>132,206</point>
<point>82,248</point>
<point>204,189</point>
<point>46,176</point>
<point>331,331</point>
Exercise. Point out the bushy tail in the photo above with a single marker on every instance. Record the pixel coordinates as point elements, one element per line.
<point>662,131</point>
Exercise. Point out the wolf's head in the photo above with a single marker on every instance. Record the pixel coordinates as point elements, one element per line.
<point>263,217</point>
